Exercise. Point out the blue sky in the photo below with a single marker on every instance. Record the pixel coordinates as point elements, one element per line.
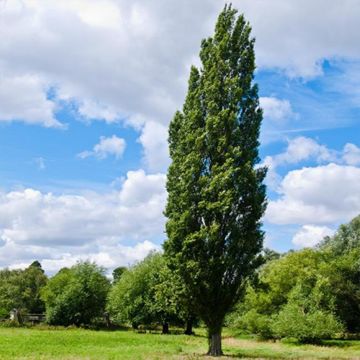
<point>87,89</point>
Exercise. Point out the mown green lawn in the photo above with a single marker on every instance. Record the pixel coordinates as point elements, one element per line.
<point>76,344</point>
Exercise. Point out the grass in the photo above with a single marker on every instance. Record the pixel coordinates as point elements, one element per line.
<point>76,344</point>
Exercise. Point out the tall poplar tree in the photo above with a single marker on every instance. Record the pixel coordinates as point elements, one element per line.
<point>216,195</point>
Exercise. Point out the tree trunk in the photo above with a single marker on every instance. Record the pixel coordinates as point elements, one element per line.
<point>215,344</point>
<point>107,319</point>
<point>189,325</point>
<point>17,316</point>
<point>165,328</point>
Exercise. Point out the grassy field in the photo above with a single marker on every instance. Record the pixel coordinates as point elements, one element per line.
<point>76,344</point>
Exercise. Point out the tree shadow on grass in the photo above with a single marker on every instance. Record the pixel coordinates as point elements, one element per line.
<point>239,355</point>
<point>339,343</point>
<point>242,355</point>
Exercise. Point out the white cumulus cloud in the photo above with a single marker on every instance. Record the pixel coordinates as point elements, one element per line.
<point>156,149</point>
<point>322,195</point>
<point>129,60</point>
<point>277,110</point>
<point>23,98</point>
<point>310,235</point>
<point>302,148</point>
<point>121,226</point>
<point>351,154</point>
<point>107,146</point>
<point>295,35</point>
<point>298,149</point>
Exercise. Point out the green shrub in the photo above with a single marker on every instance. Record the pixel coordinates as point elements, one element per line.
<point>307,314</point>
<point>305,326</point>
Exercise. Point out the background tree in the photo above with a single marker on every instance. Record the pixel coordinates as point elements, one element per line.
<point>76,296</point>
<point>34,280</point>
<point>37,264</point>
<point>146,294</point>
<point>216,195</point>
<point>10,291</point>
<point>118,272</point>
<point>269,255</point>
<point>343,268</point>
<point>130,297</point>
<point>20,289</point>
<point>344,284</point>
<point>171,295</point>
<point>345,239</point>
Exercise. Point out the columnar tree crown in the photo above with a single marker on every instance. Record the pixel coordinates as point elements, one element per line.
<point>216,195</point>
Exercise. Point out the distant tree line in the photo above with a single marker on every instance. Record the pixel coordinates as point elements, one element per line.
<point>308,294</point>
<point>147,294</point>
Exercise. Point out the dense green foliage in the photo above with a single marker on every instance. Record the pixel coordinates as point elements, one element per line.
<point>20,289</point>
<point>344,270</point>
<point>147,294</point>
<point>216,195</point>
<point>76,295</point>
<point>292,295</point>
<point>309,294</point>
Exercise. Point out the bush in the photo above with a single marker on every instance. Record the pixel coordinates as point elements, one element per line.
<point>305,310</point>
<point>293,321</point>
<point>304,326</point>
